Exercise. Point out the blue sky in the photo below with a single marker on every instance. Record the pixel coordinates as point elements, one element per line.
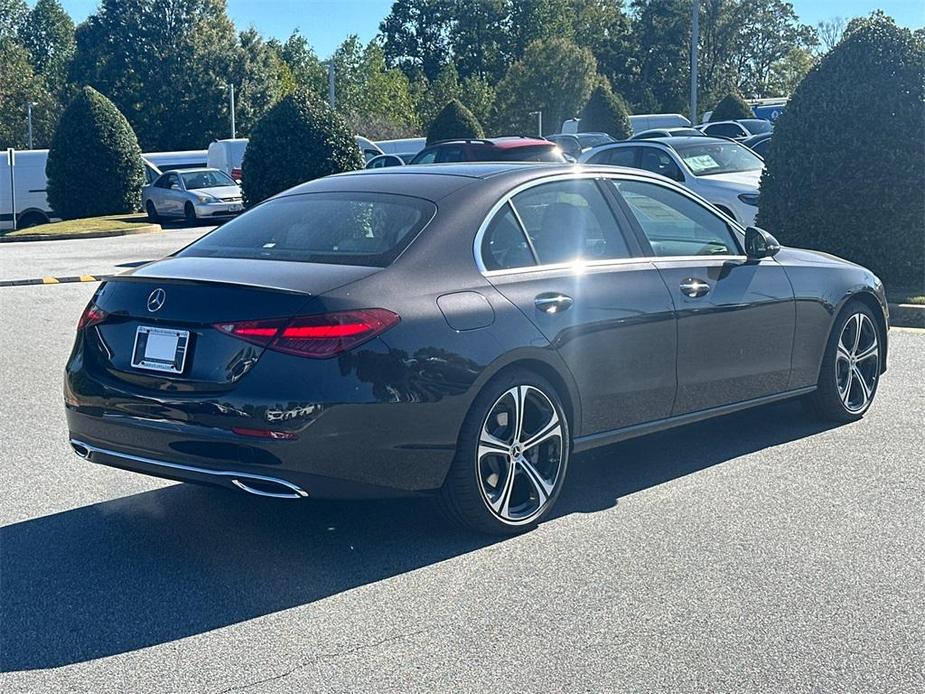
<point>328,22</point>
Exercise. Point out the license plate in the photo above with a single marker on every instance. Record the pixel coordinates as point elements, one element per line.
<point>160,349</point>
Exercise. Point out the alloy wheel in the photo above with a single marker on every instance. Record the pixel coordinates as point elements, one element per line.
<point>520,454</point>
<point>857,363</point>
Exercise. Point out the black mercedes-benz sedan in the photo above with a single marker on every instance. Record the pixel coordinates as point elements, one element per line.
<point>459,331</point>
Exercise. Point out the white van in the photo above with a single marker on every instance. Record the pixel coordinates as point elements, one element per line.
<point>644,121</point>
<point>226,155</point>
<point>32,206</point>
<point>405,147</point>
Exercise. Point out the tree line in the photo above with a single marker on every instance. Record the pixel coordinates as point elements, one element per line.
<point>168,65</point>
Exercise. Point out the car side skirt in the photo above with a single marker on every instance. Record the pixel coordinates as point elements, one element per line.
<point>583,443</point>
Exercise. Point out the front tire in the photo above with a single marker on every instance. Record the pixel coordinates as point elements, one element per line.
<point>512,456</point>
<point>152,211</point>
<point>189,212</point>
<point>850,371</point>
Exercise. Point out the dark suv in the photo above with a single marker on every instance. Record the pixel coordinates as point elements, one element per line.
<point>494,149</point>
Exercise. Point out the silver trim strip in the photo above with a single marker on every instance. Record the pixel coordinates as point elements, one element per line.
<point>297,492</point>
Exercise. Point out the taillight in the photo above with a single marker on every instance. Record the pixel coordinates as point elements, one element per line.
<point>236,174</point>
<point>318,336</point>
<point>91,316</point>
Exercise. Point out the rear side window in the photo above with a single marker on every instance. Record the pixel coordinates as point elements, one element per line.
<point>570,220</point>
<point>547,153</point>
<point>340,228</point>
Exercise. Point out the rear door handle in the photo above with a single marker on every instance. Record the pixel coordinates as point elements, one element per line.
<point>552,302</point>
<point>694,288</point>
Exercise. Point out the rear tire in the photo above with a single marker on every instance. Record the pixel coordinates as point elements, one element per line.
<point>850,371</point>
<point>152,211</point>
<point>506,477</point>
<point>189,212</point>
<point>31,219</point>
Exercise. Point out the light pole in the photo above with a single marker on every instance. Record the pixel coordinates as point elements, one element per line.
<point>234,130</point>
<point>695,41</point>
<point>29,105</point>
<point>331,95</point>
<point>539,121</point>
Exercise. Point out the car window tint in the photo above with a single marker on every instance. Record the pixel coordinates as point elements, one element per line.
<point>569,220</point>
<point>426,157</point>
<point>675,224</point>
<point>450,154</point>
<point>660,162</point>
<point>339,228</point>
<point>622,156</point>
<point>725,130</point>
<point>547,153</point>
<point>504,245</point>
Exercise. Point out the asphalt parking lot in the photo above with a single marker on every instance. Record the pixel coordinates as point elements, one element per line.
<point>762,552</point>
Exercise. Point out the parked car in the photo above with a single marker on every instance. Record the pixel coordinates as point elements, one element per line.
<point>759,144</point>
<point>737,129</point>
<point>493,149</point>
<point>385,160</point>
<point>640,122</point>
<point>667,132</point>
<point>30,188</point>
<point>192,194</point>
<point>724,172</point>
<point>347,339</point>
<point>574,145</point>
<point>368,148</point>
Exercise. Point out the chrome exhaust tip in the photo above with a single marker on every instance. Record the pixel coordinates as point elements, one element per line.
<point>81,450</point>
<point>270,487</point>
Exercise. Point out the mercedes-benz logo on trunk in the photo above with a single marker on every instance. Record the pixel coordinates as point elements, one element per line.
<point>156,299</point>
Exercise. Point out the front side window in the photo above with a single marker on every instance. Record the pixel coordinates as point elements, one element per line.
<point>674,224</point>
<point>660,162</point>
<point>569,220</point>
<point>340,228</point>
<point>450,154</point>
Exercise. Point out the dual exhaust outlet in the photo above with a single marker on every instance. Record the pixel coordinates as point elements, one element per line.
<point>258,485</point>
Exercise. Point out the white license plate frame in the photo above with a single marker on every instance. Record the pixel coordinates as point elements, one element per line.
<point>160,349</point>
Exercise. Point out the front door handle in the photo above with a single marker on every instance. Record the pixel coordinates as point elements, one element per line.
<point>552,302</point>
<point>694,288</point>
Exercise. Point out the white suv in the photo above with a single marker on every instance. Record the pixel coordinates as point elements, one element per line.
<point>719,170</point>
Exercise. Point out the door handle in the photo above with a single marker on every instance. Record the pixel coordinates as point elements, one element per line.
<point>552,303</point>
<point>694,288</point>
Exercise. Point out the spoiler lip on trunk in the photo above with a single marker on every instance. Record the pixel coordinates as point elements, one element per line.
<point>278,275</point>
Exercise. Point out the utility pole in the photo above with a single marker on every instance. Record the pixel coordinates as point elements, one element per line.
<point>331,99</point>
<point>234,131</point>
<point>29,105</point>
<point>695,42</point>
<point>539,121</point>
<point>11,161</point>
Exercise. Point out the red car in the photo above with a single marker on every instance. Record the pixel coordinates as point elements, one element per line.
<point>494,149</point>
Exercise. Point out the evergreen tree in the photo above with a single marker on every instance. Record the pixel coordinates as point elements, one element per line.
<point>606,112</point>
<point>454,121</point>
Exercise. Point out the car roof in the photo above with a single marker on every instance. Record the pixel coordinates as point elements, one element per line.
<point>436,181</point>
<point>507,142</point>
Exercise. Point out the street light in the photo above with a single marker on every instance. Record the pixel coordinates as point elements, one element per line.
<point>539,121</point>
<point>29,105</point>
<point>234,130</point>
<point>695,40</point>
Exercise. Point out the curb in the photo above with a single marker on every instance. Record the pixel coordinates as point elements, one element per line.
<point>907,315</point>
<point>145,229</point>
<point>53,280</point>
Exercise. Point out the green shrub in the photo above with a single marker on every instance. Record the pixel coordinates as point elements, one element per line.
<point>94,163</point>
<point>454,121</point>
<point>731,107</point>
<point>606,112</point>
<point>297,140</point>
<point>846,169</point>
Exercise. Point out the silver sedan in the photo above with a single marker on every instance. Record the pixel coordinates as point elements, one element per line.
<point>192,194</point>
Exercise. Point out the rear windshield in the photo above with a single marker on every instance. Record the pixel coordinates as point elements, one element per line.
<point>206,179</point>
<point>339,228</point>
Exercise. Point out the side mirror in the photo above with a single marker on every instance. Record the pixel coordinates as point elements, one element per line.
<point>760,244</point>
